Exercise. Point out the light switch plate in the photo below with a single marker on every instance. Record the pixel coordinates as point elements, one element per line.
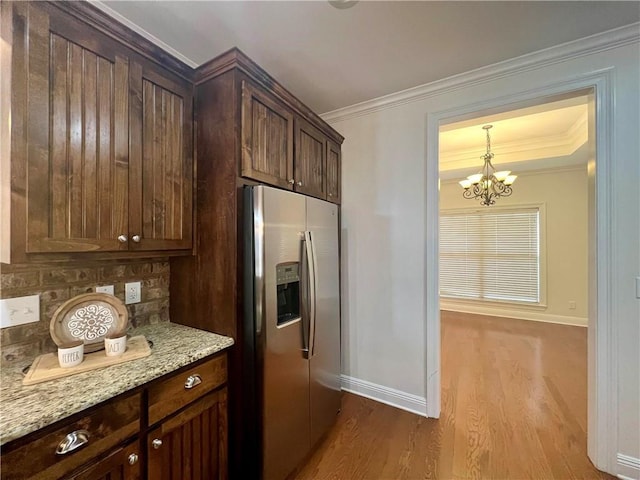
<point>132,292</point>
<point>19,310</point>
<point>105,289</point>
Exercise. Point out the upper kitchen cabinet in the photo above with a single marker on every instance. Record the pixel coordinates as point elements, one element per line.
<point>310,165</point>
<point>334,160</point>
<point>282,142</point>
<point>99,141</point>
<point>160,163</point>
<point>267,138</point>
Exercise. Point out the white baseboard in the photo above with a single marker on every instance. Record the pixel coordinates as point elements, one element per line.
<point>628,467</point>
<point>390,396</point>
<point>513,313</point>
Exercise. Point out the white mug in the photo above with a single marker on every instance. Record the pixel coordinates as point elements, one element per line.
<point>115,345</point>
<point>71,354</point>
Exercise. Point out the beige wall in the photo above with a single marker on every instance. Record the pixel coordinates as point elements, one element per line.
<point>564,196</point>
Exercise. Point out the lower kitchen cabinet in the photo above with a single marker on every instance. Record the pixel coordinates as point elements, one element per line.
<point>122,464</point>
<point>185,438</point>
<point>192,444</point>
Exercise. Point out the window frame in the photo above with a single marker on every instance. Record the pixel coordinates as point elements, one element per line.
<point>542,268</point>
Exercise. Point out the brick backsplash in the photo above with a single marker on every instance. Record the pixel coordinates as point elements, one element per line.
<point>58,283</point>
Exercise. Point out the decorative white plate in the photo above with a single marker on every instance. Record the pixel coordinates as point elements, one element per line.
<point>89,317</point>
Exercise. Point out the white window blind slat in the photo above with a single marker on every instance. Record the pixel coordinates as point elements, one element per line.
<point>493,255</point>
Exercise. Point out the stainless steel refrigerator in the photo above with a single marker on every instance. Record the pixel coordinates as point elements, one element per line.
<point>292,323</point>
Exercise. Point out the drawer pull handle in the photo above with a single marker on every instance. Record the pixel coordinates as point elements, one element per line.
<point>157,443</point>
<point>73,441</point>
<point>192,381</point>
<point>133,459</point>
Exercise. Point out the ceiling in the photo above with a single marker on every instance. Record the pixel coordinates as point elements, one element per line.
<point>541,137</point>
<point>332,58</point>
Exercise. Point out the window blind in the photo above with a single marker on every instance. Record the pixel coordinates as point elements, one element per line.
<point>491,255</point>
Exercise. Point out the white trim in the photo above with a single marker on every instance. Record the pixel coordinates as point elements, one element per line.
<point>629,466</point>
<point>549,56</point>
<point>389,396</point>
<point>513,313</point>
<point>141,31</point>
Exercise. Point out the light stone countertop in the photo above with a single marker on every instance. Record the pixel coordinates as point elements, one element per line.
<point>26,409</point>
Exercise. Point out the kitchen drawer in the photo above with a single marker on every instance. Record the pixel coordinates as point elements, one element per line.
<point>179,390</point>
<point>106,427</point>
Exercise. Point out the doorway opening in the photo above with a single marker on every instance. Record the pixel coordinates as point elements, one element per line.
<point>602,386</point>
<point>513,280</point>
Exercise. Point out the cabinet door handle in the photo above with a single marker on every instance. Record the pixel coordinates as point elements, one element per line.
<point>133,459</point>
<point>299,184</point>
<point>122,238</point>
<point>72,441</point>
<point>192,381</point>
<point>136,238</point>
<point>292,181</point>
<point>157,443</point>
<point>331,194</point>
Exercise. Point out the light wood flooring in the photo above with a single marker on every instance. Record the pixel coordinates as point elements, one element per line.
<point>513,407</point>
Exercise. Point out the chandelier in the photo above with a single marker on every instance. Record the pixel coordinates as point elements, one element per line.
<point>488,185</point>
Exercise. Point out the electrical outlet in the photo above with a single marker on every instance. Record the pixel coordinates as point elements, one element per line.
<point>572,305</point>
<point>19,310</point>
<point>105,289</point>
<point>132,292</point>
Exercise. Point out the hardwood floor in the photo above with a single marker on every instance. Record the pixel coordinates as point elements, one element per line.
<point>513,407</point>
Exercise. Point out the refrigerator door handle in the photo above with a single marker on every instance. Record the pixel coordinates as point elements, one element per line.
<point>308,276</point>
<point>308,307</point>
<point>312,288</point>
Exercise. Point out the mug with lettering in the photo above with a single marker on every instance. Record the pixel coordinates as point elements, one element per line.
<point>71,354</point>
<point>115,344</point>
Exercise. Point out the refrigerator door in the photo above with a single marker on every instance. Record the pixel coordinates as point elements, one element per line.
<point>324,390</point>
<point>279,224</point>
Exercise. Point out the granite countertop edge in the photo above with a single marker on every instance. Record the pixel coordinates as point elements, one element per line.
<point>26,409</point>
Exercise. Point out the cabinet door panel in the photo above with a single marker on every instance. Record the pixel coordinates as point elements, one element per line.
<point>77,147</point>
<point>193,443</point>
<point>334,157</point>
<point>161,172</point>
<point>310,161</point>
<point>117,466</point>
<point>267,138</point>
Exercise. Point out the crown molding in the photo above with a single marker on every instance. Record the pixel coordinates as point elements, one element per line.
<point>142,32</point>
<point>599,42</point>
<point>559,145</point>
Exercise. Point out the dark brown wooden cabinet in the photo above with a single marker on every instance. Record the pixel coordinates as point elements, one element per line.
<point>267,138</point>
<point>104,429</point>
<point>173,428</point>
<point>334,166</point>
<point>124,463</point>
<point>100,141</point>
<point>310,160</point>
<point>191,445</point>
<point>283,148</point>
<point>160,164</point>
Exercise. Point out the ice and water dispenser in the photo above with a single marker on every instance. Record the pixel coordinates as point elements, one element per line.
<point>288,284</point>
